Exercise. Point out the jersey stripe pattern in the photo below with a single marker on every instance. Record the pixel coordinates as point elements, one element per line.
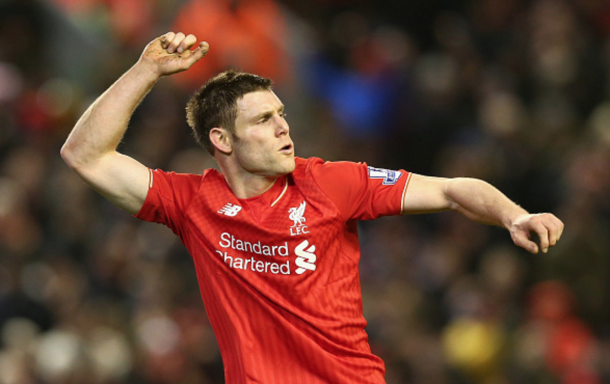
<point>278,273</point>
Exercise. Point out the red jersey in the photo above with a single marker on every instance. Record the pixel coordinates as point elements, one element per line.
<point>278,273</point>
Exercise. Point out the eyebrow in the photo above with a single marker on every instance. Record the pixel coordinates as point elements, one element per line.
<point>267,113</point>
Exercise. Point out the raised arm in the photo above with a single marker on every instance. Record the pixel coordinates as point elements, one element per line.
<point>481,202</point>
<point>91,147</point>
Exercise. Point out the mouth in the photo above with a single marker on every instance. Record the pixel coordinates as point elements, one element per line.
<point>287,149</point>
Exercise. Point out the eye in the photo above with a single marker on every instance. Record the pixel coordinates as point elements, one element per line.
<point>283,115</point>
<point>263,120</point>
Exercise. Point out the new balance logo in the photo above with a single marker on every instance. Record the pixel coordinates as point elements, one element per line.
<point>305,257</point>
<point>296,215</point>
<point>230,209</point>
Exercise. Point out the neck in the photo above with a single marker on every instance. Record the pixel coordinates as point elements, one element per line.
<point>246,185</point>
<point>245,188</point>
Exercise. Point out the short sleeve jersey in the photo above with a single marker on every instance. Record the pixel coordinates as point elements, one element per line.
<point>278,273</point>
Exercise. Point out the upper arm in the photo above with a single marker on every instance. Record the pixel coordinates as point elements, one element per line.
<point>119,178</point>
<point>361,192</point>
<point>426,194</point>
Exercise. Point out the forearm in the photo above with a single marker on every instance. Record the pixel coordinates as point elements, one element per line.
<point>101,128</point>
<point>482,202</point>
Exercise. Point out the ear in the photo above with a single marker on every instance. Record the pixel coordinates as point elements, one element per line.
<point>221,139</point>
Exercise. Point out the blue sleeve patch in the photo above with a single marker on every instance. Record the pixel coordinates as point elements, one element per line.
<point>389,177</point>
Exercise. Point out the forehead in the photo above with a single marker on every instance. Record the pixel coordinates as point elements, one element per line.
<point>254,103</point>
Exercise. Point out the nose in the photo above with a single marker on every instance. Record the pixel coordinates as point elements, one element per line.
<point>282,126</point>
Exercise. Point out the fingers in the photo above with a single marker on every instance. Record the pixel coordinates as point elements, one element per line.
<point>556,230</point>
<point>167,38</point>
<point>548,228</point>
<point>197,54</point>
<point>177,42</point>
<point>171,53</point>
<point>543,236</point>
<point>188,42</point>
<point>173,41</point>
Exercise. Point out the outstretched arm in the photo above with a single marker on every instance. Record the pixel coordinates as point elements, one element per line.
<point>91,147</point>
<point>481,202</point>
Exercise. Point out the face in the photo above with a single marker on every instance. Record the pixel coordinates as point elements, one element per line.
<point>263,145</point>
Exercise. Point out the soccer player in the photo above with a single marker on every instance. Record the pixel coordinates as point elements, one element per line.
<point>273,236</point>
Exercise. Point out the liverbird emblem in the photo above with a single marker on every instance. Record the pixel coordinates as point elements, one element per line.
<point>296,214</point>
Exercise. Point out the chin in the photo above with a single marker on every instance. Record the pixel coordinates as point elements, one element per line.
<point>291,166</point>
<point>286,167</point>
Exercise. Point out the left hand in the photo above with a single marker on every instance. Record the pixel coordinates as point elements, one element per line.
<point>548,228</point>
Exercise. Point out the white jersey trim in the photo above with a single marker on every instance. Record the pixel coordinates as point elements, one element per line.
<point>404,193</point>
<point>283,192</point>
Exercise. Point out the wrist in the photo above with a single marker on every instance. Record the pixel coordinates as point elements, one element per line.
<point>145,71</point>
<point>514,217</point>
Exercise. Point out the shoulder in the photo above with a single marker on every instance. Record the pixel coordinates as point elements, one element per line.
<point>304,163</point>
<point>186,184</point>
<point>315,164</point>
<point>338,170</point>
<point>330,175</point>
<point>176,178</point>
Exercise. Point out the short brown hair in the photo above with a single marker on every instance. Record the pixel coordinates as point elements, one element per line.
<point>215,103</point>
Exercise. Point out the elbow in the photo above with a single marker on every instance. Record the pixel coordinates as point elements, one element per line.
<point>74,158</point>
<point>80,160</point>
<point>68,156</point>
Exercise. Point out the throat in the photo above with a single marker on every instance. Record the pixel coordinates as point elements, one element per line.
<point>251,187</point>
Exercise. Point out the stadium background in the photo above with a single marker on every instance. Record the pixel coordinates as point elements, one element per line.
<point>512,91</point>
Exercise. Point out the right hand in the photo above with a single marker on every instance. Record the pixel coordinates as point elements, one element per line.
<point>170,53</point>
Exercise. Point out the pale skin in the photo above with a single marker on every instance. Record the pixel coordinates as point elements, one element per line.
<point>263,152</point>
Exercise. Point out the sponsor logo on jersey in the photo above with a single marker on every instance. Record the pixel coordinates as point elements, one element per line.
<point>230,209</point>
<point>296,214</point>
<point>251,264</point>
<point>245,255</point>
<point>389,177</point>
<point>227,240</point>
<point>306,257</point>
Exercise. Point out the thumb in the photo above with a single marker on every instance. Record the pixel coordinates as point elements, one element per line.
<point>198,53</point>
<point>522,240</point>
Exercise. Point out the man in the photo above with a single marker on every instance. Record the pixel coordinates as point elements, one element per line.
<point>273,237</point>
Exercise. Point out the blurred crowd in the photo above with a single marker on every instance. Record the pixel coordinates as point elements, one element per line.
<point>516,92</point>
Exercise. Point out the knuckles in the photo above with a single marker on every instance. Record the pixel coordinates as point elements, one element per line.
<point>548,220</point>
